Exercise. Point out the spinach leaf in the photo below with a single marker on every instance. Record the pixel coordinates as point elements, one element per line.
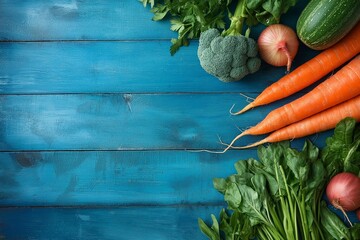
<point>342,151</point>
<point>333,225</point>
<point>212,233</point>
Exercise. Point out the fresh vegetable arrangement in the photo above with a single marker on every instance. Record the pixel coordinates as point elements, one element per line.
<point>311,71</point>
<point>286,193</point>
<point>280,196</point>
<point>226,53</point>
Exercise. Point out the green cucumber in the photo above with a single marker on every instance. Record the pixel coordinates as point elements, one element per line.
<point>323,23</point>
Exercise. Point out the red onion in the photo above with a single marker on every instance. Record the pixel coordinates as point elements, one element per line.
<point>343,192</point>
<point>278,45</point>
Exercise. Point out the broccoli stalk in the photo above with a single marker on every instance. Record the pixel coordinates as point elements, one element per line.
<point>237,21</point>
<point>229,56</point>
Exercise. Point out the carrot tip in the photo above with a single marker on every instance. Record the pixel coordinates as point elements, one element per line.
<point>246,108</point>
<point>230,145</point>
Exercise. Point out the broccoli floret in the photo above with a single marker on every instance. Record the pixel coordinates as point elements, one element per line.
<point>229,56</point>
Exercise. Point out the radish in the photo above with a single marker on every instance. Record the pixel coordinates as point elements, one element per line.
<point>278,45</point>
<point>343,192</point>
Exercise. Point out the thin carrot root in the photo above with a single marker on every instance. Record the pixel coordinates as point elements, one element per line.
<point>247,146</point>
<point>229,146</point>
<point>250,105</point>
<point>246,108</point>
<point>234,140</point>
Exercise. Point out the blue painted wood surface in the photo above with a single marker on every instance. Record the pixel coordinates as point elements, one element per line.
<point>97,123</point>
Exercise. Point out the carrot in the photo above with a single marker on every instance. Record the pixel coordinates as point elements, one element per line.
<point>343,85</point>
<point>319,122</point>
<point>311,71</point>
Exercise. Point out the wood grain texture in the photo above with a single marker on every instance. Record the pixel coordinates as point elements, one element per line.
<point>142,222</point>
<point>116,67</point>
<point>89,20</point>
<point>78,20</point>
<point>119,178</point>
<point>123,122</point>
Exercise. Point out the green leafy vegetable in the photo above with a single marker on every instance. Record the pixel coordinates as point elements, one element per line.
<point>342,152</point>
<point>191,17</point>
<point>280,196</point>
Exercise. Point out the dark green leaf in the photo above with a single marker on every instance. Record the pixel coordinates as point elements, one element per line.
<point>232,196</point>
<point>269,11</point>
<point>241,167</point>
<point>316,181</point>
<point>333,225</point>
<point>342,149</point>
<point>355,231</point>
<point>251,205</point>
<point>297,162</point>
<point>211,233</point>
<point>220,184</point>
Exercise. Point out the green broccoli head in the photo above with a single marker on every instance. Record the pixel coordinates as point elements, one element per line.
<point>228,58</point>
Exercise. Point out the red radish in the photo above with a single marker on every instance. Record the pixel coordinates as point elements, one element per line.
<point>278,45</point>
<point>343,192</point>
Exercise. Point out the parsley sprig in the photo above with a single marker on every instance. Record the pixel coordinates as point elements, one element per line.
<point>189,17</point>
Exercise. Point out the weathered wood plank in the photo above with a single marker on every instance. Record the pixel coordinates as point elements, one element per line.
<point>78,20</point>
<point>125,67</point>
<point>109,223</point>
<point>113,178</point>
<point>89,20</point>
<point>123,122</point>
<point>140,223</point>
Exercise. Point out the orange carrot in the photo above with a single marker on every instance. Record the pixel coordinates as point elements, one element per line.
<point>319,122</point>
<point>343,85</point>
<point>311,71</point>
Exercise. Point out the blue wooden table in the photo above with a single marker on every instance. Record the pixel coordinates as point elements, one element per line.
<point>97,120</point>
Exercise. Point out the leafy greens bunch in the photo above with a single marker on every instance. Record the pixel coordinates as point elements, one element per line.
<point>280,196</point>
<point>189,18</point>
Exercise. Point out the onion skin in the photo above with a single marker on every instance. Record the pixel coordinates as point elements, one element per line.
<point>343,191</point>
<point>278,45</point>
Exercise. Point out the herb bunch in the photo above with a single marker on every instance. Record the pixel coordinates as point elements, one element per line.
<point>189,18</point>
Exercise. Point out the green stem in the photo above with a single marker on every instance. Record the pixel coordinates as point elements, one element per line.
<point>276,220</point>
<point>317,211</point>
<point>289,210</point>
<point>305,224</point>
<point>237,20</point>
<point>261,234</point>
<point>272,233</point>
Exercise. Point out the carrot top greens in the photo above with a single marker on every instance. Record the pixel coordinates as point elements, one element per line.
<point>280,196</point>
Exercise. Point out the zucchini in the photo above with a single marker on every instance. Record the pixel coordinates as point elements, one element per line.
<point>323,23</point>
